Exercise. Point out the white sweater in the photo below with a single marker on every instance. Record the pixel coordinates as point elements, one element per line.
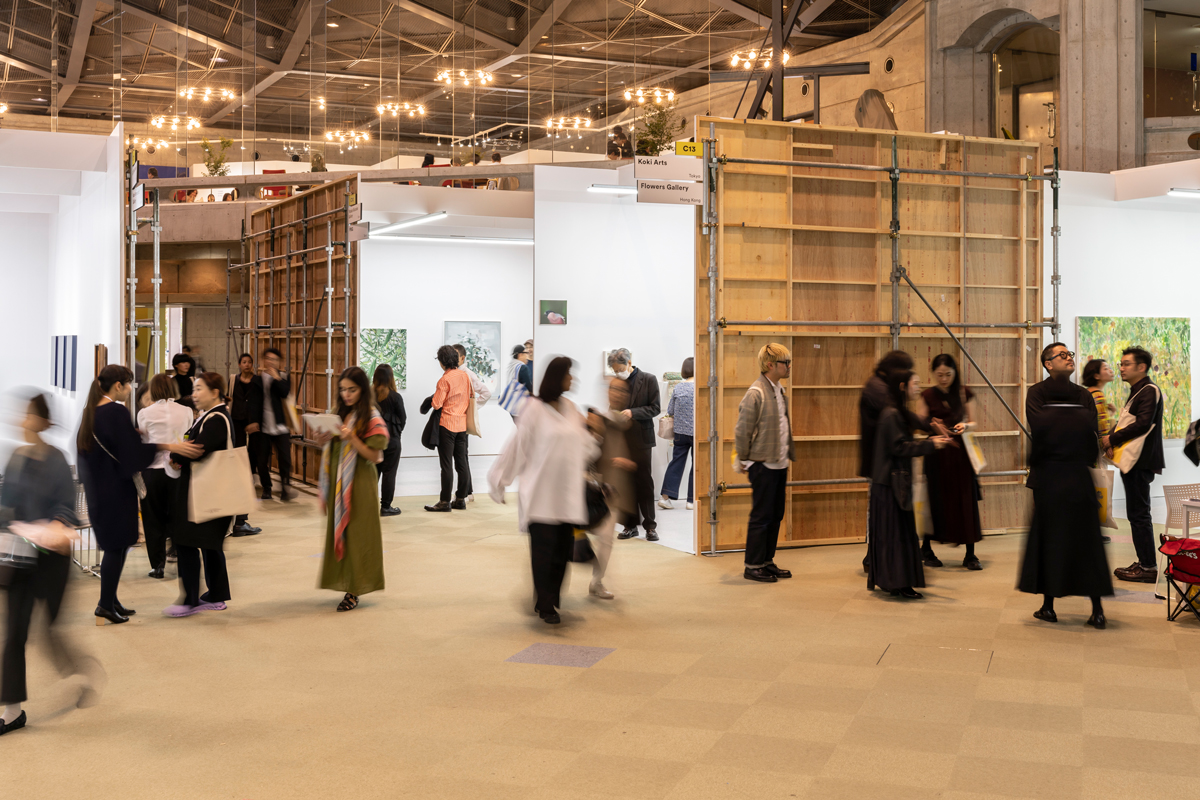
<point>550,452</point>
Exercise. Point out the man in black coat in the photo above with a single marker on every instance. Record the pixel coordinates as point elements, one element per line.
<point>643,408</point>
<point>1059,362</point>
<point>1146,405</point>
<point>270,389</point>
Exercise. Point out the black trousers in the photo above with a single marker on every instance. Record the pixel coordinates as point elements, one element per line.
<point>282,445</point>
<point>1137,509</point>
<point>387,472</point>
<point>112,564</point>
<point>643,488</point>
<point>156,514</point>
<point>550,547</point>
<point>452,455</point>
<point>768,497</point>
<point>467,463</point>
<point>252,442</point>
<point>46,582</point>
<point>216,576</point>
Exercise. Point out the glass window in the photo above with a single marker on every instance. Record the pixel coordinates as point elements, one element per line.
<point>1025,87</point>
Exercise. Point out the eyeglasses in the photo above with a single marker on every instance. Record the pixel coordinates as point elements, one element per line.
<point>1063,355</point>
<point>787,363</point>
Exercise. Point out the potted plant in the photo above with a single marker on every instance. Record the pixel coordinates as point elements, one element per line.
<point>657,128</point>
<point>216,161</point>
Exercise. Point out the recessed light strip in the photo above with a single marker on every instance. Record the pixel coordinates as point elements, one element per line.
<point>1192,193</point>
<point>454,239</point>
<point>408,223</point>
<point>603,188</point>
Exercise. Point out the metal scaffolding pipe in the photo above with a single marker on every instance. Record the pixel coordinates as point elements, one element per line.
<point>156,329</point>
<point>894,234</point>
<point>710,220</point>
<point>1055,278</point>
<point>329,313</point>
<point>731,323</point>
<point>872,168</point>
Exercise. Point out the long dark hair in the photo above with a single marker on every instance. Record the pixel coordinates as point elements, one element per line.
<point>112,374</point>
<point>384,382</point>
<point>362,409</point>
<point>553,379</point>
<point>897,381</point>
<point>955,399</point>
<point>1091,372</point>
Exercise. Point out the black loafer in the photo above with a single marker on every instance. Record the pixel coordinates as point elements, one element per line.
<point>931,560</point>
<point>909,594</point>
<point>459,505</point>
<point>759,574</point>
<point>246,529</point>
<point>390,511</point>
<point>1097,621</point>
<point>781,574</point>
<point>651,536</point>
<point>551,619</point>
<point>103,614</point>
<point>972,563</point>
<point>628,533</point>
<point>440,506</point>
<point>123,611</point>
<point>16,724</point>
<point>157,572</point>
<point>1045,616</point>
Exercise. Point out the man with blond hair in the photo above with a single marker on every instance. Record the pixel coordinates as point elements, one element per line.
<point>763,444</point>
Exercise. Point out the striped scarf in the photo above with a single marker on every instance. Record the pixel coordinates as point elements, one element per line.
<point>345,479</point>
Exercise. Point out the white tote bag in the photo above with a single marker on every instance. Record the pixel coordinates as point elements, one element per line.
<point>1102,479</point>
<point>221,485</point>
<point>1126,456</point>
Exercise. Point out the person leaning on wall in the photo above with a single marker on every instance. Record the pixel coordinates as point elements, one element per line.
<point>763,450</point>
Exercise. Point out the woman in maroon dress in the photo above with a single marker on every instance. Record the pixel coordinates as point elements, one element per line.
<point>953,488</point>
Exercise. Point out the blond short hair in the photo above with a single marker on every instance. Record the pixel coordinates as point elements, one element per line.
<point>770,354</point>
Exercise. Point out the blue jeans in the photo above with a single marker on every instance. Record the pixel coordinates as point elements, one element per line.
<point>679,457</point>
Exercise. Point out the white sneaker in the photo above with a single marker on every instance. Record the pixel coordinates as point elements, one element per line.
<point>597,590</point>
<point>665,503</point>
<point>690,506</point>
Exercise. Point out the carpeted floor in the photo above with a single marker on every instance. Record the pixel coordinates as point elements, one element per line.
<point>693,683</point>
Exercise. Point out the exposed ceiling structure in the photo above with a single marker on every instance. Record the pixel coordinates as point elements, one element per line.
<point>303,67</point>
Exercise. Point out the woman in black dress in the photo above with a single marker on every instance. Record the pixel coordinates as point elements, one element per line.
<point>184,365</point>
<point>893,552</point>
<point>196,541</point>
<point>953,488</point>
<point>1064,554</point>
<point>391,407</point>
<point>111,453</point>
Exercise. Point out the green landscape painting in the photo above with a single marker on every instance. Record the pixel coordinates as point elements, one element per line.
<point>1169,341</point>
<point>384,346</point>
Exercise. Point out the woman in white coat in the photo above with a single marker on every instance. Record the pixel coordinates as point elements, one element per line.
<point>550,452</point>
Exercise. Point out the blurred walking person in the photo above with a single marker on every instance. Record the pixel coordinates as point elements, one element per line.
<point>682,408</point>
<point>550,452</point>
<point>353,560</point>
<point>893,552</point>
<point>267,416</point>
<point>241,387</point>
<point>197,542</point>
<point>614,469</point>
<point>111,454</point>
<point>39,491</point>
<point>953,487</point>
<point>1064,553</point>
<point>162,422</point>
<point>391,408</point>
<point>643,408</point>
<point>453,397</point>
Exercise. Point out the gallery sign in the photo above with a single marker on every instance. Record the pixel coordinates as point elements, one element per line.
<point>668,168</point>
<point>670,192</point>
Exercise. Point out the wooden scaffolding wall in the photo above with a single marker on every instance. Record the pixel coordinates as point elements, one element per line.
<point>813,243</point>
<point>301,296</point>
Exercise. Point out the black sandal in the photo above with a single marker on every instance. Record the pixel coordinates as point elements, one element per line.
<point>349,603</point>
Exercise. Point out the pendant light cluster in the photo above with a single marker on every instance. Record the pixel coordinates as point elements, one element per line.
<point>350,137</point>
<point>175,122</point>
<point>757,59</point>
<point>411,109</point>
<point>643,94</point>
<point>562,123</point>
<point>466,76</point>
<point>207,94</point>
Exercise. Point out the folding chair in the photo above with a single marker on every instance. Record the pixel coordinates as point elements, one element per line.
<point>1174,495</point>
<point>83,551</point>
<point>1183,575</point>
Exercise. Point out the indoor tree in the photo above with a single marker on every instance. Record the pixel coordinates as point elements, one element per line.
<point>657,128</point>
<point>216,161</point>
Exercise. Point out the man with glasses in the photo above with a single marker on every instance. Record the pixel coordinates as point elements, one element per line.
<point>1146,405</point>
<point>1060,363</point>
<point>644,406</point>
<point>763,443</point>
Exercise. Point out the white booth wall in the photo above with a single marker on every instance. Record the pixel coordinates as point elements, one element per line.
<point>627,272</point>
<point>1129,258</point>
<point>63,276</point>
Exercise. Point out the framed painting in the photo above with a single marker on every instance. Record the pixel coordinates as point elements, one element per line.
<point>384,346</point>
<point>481,340</point>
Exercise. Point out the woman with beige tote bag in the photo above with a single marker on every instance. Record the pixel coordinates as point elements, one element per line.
<point>215,482</point>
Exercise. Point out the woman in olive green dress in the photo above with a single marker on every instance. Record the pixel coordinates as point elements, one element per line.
<point>349,495</point>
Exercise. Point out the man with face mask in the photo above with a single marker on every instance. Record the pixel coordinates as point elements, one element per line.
<point>643,408</point>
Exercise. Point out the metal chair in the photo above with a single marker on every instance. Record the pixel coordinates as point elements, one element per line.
<point>83,551</point>
<point>1175,495</point>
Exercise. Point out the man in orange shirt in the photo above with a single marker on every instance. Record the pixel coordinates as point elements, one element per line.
<point>453,397</point>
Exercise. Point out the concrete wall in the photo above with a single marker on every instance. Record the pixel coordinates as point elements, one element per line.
<point>1100,78</point>
<point>1166,139</point>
